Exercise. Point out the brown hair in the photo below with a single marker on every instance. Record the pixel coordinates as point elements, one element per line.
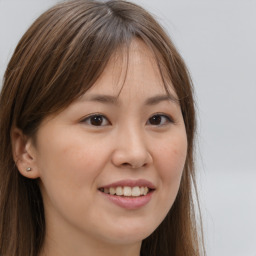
<point>46,73</point>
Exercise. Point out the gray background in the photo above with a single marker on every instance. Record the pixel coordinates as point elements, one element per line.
<point>218,42</point>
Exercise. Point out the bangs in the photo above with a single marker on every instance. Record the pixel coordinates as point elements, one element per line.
<point>72,44</point>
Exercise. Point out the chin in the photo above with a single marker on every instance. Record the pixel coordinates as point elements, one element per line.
<point>132,234</point>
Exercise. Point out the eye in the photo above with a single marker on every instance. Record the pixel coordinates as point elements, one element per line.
<point>159,119</point>
<point>96,120</point>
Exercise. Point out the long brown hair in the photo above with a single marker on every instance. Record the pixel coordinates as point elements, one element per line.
<point>58,59</point>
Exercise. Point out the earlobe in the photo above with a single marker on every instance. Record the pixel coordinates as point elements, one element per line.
<point>24,155</point>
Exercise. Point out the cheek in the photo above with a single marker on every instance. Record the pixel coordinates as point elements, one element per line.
<point>170,171</point>
<point>69,169</point>
<point>72,157</point>
<point>171,160</point>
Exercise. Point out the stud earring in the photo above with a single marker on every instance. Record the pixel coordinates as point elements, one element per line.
<point>28,169</point>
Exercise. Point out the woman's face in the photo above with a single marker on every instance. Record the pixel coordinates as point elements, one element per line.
<point>124,136</point>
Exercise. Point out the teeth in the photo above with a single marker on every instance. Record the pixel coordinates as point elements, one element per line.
<point>145,191</point>
<point>127,191</point>
<point>112,191</point>
<point>119,191</point>
<point>106,190</point>
<point>136,191</point>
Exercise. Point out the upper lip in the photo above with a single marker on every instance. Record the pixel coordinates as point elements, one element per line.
<point>130,183</point>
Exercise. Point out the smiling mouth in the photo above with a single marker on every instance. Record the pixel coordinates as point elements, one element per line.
<point>126,191</point>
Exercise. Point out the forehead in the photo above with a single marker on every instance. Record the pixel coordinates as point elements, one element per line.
<point>132,71</point>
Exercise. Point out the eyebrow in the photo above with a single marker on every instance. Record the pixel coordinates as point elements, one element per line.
<point>102,98</point>
<point>159,98</point>
<point>109,99</point>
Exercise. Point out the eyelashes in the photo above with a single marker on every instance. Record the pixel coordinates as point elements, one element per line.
<point>96,120</point>
<point>160,120</point>
<point>100,120</point>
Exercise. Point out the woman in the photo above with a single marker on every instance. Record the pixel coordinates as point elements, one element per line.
<point>97,132</point>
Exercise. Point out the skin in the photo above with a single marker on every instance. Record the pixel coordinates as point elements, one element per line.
<point>73,158</point>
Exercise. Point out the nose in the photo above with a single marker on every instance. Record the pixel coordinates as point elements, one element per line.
<point>131,149</point>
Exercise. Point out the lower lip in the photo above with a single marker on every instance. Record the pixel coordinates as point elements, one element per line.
<point>130,203</point>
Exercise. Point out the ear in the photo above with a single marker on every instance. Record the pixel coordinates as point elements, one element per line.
<point>24,154</point>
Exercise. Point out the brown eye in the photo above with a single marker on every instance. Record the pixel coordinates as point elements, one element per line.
<point>96,120</point>
<point>159,119</point>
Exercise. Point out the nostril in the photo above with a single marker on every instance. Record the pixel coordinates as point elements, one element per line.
<point>130,165</point>
<point>133,166</point>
